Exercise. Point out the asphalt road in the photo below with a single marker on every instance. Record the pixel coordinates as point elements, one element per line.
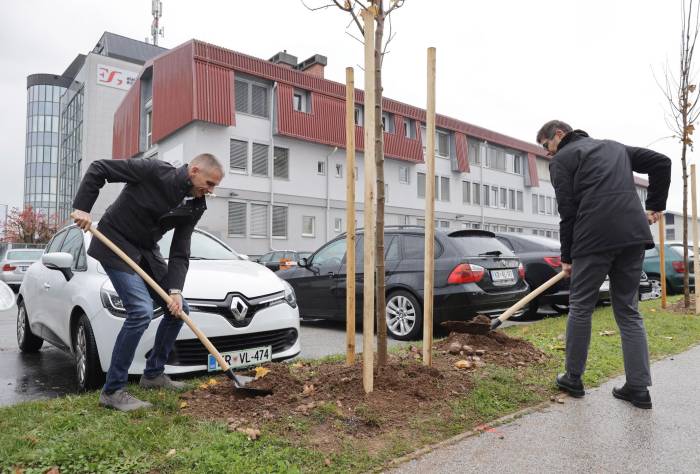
<point>50,372</point>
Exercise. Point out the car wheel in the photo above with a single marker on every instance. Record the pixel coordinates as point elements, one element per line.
<point>560,308</point>
<point>26,339</point>
<point>404,316</point>
<point>655,288</point>
<point>530,313</point>
<point>87,359</point>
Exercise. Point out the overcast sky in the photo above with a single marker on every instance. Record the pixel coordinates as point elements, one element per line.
<point>507,65</point>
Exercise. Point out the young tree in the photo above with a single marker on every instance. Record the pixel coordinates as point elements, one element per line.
<point>381,10</point>
<point>682,97</point>
<point>29,226</point>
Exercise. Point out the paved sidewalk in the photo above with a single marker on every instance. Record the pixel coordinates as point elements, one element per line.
<point>595,434</point>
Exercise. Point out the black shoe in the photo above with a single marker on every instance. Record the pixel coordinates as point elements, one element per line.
<point>638,397</point>
<point>571,384</point>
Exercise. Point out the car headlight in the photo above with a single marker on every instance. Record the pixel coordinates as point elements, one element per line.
<point>112,302</point>
<point>289,295</point>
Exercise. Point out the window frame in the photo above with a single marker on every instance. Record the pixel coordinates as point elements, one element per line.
<point>313,226</point>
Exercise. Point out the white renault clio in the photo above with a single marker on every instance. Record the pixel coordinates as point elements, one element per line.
<point>66,299</point>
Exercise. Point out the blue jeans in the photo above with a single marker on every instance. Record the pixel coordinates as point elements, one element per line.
<point>138,303</point>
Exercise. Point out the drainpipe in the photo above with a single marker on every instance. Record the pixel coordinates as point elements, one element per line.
<point>272,168</point>
<point>328,195</point>
<point>481,177</point>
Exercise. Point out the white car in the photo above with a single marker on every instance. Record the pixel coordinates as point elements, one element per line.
<point>67,299</point>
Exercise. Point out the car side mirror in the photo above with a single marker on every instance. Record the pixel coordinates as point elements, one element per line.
<point>303,262</point>
<point>61,261</point>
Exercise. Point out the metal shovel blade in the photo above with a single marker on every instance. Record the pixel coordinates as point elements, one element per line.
<point>240,382</point>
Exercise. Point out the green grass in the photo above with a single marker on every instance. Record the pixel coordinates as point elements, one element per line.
<point>75,435</point>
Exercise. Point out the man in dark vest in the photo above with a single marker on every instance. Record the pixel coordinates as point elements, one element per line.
<point>604,230</point>
<point>157,197</point>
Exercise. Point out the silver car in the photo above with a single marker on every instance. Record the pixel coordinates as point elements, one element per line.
<point>15,263</point>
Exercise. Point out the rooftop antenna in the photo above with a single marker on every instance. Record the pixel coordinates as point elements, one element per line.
<point>157,11</point>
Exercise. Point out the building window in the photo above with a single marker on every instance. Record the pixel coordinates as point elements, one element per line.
<point>534,231</point>
<point>149,129</point>
<point>280,163</point>
<point>236,219</point>
<point>503,204</point>
<point>541,204</point>
<point>548,234</point>
<point>260,159</point>
<point>421,185</point>
<point>518,164</point>
<point>321,168</point>
<point>409,128</point>
<point>308,226</point>
<point>519,200</point>
<point>534,204</point>
<point>403,175</point>
<point>670,219</point>
<point>511,199</point>
<point>338,224</point>
<point>555,234</point>
<point>251,98</point>
<point>466,192</point>
<point>388,122</point>
<point>549,205</point>
<point>670,233</point>
<point>359,115</point>
<point>476,193</point>
<point>302,101</point>
<point>473,151</point>
<point>494,196</point>
<point>258,220</point>
<point>486,194</point>
<point>279,222</point>
<point>556,209</point>
<point>238,156</point>
<point>442,143</point>
<point>338,170</point>
<point>476,226</point>
<point>444,189</point>
<point>386,192</point>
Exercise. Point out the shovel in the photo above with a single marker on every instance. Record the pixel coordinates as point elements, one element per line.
<point>239,382</point>
<point>483,324</point>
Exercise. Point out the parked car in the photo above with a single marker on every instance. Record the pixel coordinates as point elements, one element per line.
<point>474,273</point>
<point>68,300</point>
<point>674,266</point>
<point>281,259</point>
<point>15,262</point>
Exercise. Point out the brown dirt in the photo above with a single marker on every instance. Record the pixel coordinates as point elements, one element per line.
<point>679,306</point>
<point>330,395</point>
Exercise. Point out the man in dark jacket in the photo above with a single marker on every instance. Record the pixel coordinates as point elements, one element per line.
<point>157,197</point>
<point>604,231</point>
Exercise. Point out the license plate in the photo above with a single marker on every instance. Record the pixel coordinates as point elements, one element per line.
<point>242,358</point>
<point>501,275</point>
<point>23,268</point>
<point>646,296</point>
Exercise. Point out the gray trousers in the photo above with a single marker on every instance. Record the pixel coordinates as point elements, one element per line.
<point>624,266</point>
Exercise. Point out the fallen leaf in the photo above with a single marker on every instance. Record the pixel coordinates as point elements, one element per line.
<point>297,365</point>
<point>212,382</point>
<point>203,386</point>
<point>670,338</point>
<point>308,390</point>
<point>18,470</point>
<point>607,333</point>
<point>327,461</point>
<point>261,372</point>
<point>463,364</point>
<point>560,400</point>
<point>171,453</point>
<point>53,470</point>
<point>183,404</point>
<point>653,310</point>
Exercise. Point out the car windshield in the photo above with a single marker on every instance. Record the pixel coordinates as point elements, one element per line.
<point>679,249</point>
<point>203,247</point>
<point>30,255</point>
<point>481,245</point>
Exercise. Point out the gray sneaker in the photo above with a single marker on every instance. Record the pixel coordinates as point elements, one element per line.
<point>161,381</point>
<point>122,400</point>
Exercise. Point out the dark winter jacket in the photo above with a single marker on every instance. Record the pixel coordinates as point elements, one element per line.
<point>598,203</point>
<point>154,200</point>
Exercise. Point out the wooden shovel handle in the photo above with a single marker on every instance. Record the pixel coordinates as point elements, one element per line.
<point>166,297</point>
<point>531,296</point>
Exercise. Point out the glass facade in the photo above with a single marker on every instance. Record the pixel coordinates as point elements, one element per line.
<point>70,158</point>
<point>41,154</point>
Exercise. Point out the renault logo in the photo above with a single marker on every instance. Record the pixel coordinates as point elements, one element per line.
<point>238,308</point>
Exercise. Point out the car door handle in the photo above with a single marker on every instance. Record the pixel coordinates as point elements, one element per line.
<point>47,286</point>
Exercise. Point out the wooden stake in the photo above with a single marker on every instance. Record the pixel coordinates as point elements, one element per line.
<point>696,257</point>
<point>350,214</point>
<point>429,269</point>
<point>369,209</point>
<point>662,260</point>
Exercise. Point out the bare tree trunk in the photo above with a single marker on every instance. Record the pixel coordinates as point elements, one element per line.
<point>686,280</point>
<point>380,307</point>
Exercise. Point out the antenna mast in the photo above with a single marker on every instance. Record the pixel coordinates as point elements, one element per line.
<point>157,11</point>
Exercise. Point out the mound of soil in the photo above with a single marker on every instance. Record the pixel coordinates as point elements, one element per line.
<point>331,394</point>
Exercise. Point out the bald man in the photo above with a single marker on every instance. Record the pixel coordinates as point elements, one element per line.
<point>157,197</point>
